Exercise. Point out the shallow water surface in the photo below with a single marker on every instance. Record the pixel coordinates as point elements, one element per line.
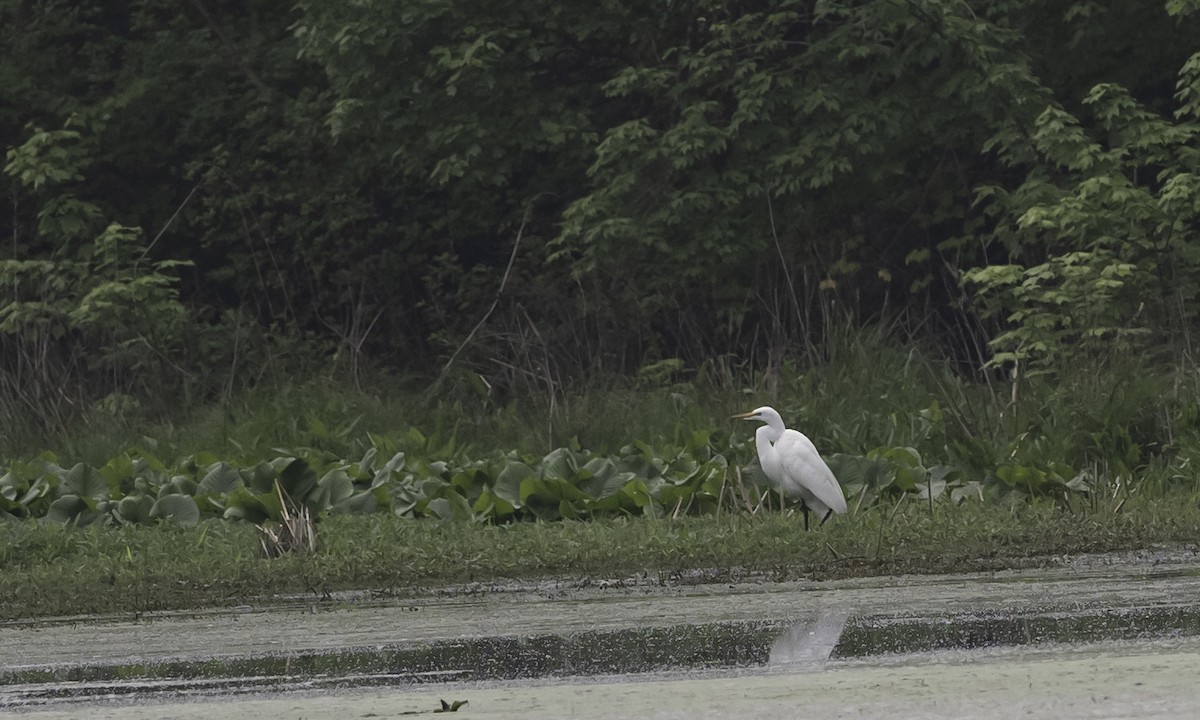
<point>535,640</point>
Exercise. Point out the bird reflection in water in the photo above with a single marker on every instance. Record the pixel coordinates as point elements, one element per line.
<point>807,645</point>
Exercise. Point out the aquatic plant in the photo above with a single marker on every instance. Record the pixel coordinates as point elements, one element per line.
<point>411,475</point>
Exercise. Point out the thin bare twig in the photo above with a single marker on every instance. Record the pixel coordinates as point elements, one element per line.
<point>170,220</point>
<point>787,275</point>
<point>512,258</point>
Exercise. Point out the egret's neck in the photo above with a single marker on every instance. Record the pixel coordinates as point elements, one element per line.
<point>765,436</point>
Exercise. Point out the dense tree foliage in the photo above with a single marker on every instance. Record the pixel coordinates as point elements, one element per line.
<point>198,188</point>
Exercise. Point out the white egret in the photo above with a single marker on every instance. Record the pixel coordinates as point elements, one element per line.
<point>792,461</point>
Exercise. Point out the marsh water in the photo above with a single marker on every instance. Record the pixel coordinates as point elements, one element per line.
<point>1107,636</point>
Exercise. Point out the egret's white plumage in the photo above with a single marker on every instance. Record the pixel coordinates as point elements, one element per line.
<point>792,461</point>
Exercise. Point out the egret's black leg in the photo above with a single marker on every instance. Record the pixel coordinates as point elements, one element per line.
<point>804,509</point>
<point>826,516</point>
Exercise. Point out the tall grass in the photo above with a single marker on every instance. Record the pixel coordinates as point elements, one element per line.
<point>1122,421</point>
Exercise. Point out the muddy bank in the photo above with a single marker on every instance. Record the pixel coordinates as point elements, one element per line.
<point>1105,681</point>
<point>532,609</point>
<point>1101,635</point>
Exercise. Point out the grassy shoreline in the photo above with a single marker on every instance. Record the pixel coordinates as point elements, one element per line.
<point>48,570</point>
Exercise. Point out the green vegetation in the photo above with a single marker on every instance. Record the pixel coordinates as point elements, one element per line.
<point>52,570</point>
<point>888,423</point>
<point>494,265</point>
<point>1106,471</point>
<point>523,200</point>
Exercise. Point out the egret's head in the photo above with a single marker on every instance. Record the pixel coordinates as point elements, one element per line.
<point>763,414</point>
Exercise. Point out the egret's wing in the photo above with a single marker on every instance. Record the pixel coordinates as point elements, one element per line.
<point>803,466</point>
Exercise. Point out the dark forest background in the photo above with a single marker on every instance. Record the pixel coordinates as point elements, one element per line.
<point>523,196</point>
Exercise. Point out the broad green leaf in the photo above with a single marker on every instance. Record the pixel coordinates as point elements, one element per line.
<point>560,464</point>
<point>242,504</point>
<point>551,488</point>
<point>568,510</point>
<point>39,489</point>
<point>179,508</point>
<point>135,508</point>
<point>366,466</point>
<point>149,460</point>
<point>907,471</point>
<point>510,481</point>
<point>10,486</point>
<point>672,496</point>
<point>119,472</point>
<point>1029,478</point>
<point>530,487</point>
<point>856,471</point>
<point>333,488</point>
<point>451,507</point>
<point>296,477</point>
<point>471,481</point>
<point>431,487</point>
<point>638,493</point>
<point>261,477</point>
<point>492,506</point>
<point>385,474</point>
<point>970,490</point>
<point>605,479</point>
<point>179,485</point>
<point>220,478</point>
<point>71,509</point>
<point>86,481</point>
<point>360,502</point>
